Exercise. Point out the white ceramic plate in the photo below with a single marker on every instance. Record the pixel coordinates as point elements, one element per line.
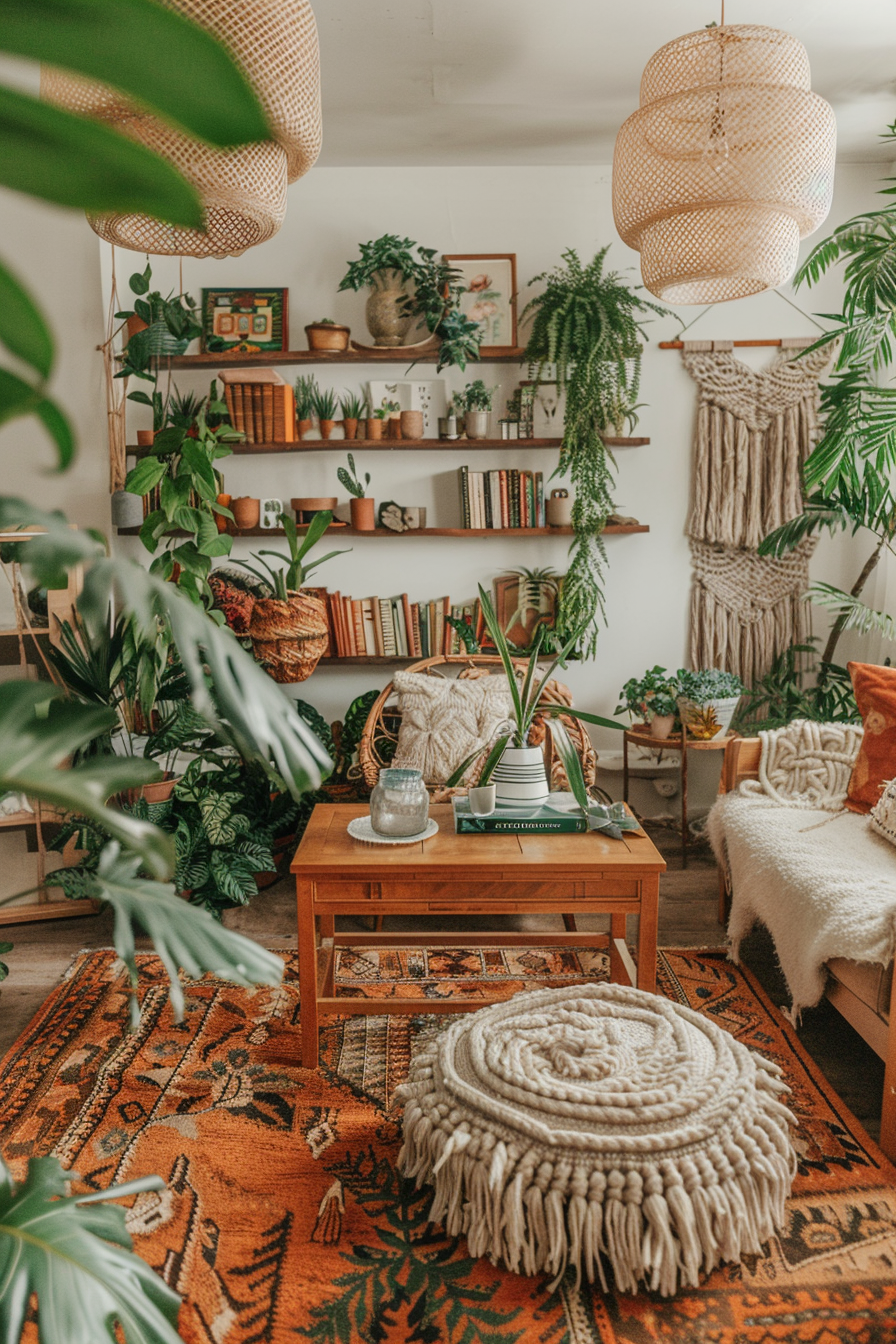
<point>360,829</point>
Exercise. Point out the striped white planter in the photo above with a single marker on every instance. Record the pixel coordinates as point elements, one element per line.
<point>520,779</point>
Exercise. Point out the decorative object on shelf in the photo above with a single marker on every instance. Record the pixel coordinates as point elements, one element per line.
<point>399,803</point>
<point>747,608</point>
<point>408,288</point>
<point>428,395</point>
<point>558,509</point>
<point>127,509</point>
<point>352,407</point>
<point>305,507</point>
<point>525,599</point>
<point>488,297</point>
<point>727,164</point>
<point>588,326</point>
<point>222,519</point>
<point>325,409</point>
<point>482,799</point>
<point>244,320</point>
<point>653,699</point>
<point>707,701</point>
<point>327,335</point>
<point>361,828</point>
<point>246,512</point>
<point>477,403</point>
<point>362,509</point>
<point>411,424</point>
<point>375,425</point>
<point>243,190</point>
<point>393,419</point>
<point>145,438</point>
<point>305,390</point>
<point>401,517</point>
<point>269,513</point>
<point>448,426</point>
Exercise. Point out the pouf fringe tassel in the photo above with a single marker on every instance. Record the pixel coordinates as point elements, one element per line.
<point>660,1225</point>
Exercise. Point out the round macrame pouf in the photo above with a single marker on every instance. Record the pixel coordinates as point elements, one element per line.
<point>599,1124</point>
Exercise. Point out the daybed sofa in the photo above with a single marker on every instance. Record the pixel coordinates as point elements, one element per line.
<point>819,877</point>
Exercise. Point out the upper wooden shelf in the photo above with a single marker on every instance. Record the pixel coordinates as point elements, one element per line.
<point>335,533</point>
<point>266,359</point>
<point>390,445</point>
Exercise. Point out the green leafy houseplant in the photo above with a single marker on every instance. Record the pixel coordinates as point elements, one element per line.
<point>653,694</point>
<point>588,325</point>
<point>476,396</point>
<point>350,478</point>
<point>324,403</point>
<point>708,684</point>
<point>786,693</point>
<point>352,406</point>
<point>294,570</point>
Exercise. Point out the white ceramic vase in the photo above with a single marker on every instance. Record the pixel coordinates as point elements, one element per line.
<point>701,724</point>
<point>520,779</point>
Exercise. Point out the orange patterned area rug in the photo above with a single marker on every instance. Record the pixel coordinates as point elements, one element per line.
<point>284,1219</point>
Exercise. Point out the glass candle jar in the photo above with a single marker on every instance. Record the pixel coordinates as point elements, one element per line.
<point>399,804</point>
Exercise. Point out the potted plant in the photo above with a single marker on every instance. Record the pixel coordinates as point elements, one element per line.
<point>518,768</point>
<point>376,422</point>
<point>157,325</point>
<point>408,283</point>
<point>363,510</point>
<point>477,403</point>
<point>588,326</point>
<point>392,411</point>
<point>352,408</point>
<point>652,699</point>
<point>707,700</point>
<point>305,392</point>
<point>325,410</point>
<point>327,335</point>
<point>288,627</point>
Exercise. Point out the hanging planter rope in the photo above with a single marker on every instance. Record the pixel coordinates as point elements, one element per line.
<point>726,165</point>
<point>243,190</point>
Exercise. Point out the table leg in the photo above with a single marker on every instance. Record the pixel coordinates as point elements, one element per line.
<point>617,930</point>
<point>327,925</point>
<point>647,932</point>
<point>683,779</point>
<point>625,767</point>
<point>307,973</point>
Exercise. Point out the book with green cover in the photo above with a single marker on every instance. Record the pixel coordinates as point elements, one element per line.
<point>556,816</point>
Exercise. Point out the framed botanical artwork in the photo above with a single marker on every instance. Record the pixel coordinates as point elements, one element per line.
<point>523,601</point>
<point>489,296</point>
<point>244,321</point>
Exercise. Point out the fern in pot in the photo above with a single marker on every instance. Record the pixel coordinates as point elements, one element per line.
<point>588,325</point>
<point>289,627</point>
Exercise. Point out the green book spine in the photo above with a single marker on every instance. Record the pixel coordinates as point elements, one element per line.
<point>494,825</point>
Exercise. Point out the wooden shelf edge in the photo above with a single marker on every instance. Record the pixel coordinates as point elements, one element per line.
<point>378,660</point>
<point>614,529</point>
<point>266,359</point>
<point>393,445</point>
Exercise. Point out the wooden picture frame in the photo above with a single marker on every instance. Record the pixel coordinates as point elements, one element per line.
<point>491,284</point>
<point>244,321</point>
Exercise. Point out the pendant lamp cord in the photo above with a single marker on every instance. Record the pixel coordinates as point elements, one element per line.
<point>723,14</point>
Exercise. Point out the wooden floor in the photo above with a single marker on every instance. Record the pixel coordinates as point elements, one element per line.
<point>688,910</point>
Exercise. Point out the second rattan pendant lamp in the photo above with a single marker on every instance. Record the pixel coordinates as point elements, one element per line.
<point>243,190</point>
<point>726,165</point>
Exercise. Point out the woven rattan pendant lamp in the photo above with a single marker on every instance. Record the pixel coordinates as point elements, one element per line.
<point>726,165</point>
<point>243,190</point>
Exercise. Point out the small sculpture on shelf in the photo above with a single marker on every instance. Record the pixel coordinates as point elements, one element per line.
<point>401,517</point>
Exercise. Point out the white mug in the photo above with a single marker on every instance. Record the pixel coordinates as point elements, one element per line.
<point>482,800</point>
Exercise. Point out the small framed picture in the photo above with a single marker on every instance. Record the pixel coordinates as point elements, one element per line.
<point>489,296</point>
<point>244,321</point>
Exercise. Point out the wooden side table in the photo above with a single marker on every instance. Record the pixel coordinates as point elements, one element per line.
<point>681,742</point>
<point>462,874</point>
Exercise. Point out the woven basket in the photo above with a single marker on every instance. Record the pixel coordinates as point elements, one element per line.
<point>289,637</point>
<point>243,190</point>
<point>727,164</point>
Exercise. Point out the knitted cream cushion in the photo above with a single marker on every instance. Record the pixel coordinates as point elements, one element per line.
<point>444,721</point>
<point>599,1125</point>
<point>883,814</point>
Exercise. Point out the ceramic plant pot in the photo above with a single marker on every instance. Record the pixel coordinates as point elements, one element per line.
<point>411,424</point>
<point>306,506</point>
<point>447,426</point>
<point>158,792</point>
<point>145,438</point>
<point>520,779</point>
<point>326,428</point>
<point>289,637</point>
<point>482,799</point>
<point>327,336</point>
<point>709,720</point>
<point>661,726</point>
<point>375,427</point>
<point>385,321</point>
<point>363,512</point>
<point>350,427</point>
<point>127,509</point>
<point>476,424</point>
<point>246,511</point>
<point>393,427</point>
<point>558,509</point>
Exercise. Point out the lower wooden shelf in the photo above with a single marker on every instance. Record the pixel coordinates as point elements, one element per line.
<point>391,445</point>
<point>613,529</point>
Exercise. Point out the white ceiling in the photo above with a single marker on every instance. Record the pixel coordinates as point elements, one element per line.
<point>550,81</point>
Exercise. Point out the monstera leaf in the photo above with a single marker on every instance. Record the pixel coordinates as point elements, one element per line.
<point>75,1255</point>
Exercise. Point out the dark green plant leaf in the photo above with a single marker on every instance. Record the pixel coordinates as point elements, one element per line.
<point>197,84</point>
<point>70,160</point>
<point>75,1255</point>
<point>23,329</point>
<point>145,475</point>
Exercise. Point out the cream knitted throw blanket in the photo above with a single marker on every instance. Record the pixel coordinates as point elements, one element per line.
<point>754,431</point>
<point>598,1126</point>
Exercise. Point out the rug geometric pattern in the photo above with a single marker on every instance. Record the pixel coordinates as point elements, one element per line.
<point>284,1219</point>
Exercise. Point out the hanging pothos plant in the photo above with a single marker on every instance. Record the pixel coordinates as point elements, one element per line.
<point>588,325</point>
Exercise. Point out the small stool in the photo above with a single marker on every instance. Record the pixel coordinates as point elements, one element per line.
<point>595,1125</point>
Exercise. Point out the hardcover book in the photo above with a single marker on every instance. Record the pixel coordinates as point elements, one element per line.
<point>559,815</point>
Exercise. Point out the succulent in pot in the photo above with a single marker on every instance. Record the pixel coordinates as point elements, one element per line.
<point>363,510</point>
<point>327,335</point>
<point>306,389</point>
<point>707,700</point>
<point>652,699</point>
<point>352,407</point>
<point>324,403</point>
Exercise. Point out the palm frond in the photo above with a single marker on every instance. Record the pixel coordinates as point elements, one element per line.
<point>852,612</point>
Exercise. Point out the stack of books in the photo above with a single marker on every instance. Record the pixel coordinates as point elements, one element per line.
<point>560,814</point>
<point>261,404</point>
<point>501,499</point>
<point>394,627</point>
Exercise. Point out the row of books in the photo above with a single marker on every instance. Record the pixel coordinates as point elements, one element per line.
<point>261,404</point>
<point>393,627</point>
<point>501,499</point>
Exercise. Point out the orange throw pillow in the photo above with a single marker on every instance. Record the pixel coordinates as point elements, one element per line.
<point>875,692</point>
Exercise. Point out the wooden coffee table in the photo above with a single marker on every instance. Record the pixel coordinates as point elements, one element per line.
<point>462,874</point>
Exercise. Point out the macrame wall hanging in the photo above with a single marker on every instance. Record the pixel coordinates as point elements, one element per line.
<point>754,432</point>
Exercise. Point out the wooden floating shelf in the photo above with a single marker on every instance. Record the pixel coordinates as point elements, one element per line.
<point>390,445</point>
<point>378,660</point>
<point>266,359</point>
<point>613,529</point>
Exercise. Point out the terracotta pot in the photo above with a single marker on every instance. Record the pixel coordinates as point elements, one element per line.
<point>145,438</point>
<point>134,324</point>
<point>326,428</point>
<point>289,637</point>
<point>350,427</point>
<point>661,725</point>
<point>393,427</point>
<point>221,522</point>
<point>363,515</point>
<point>246,511</point>
<point>385,321</point>
<point>411,423</point>
<point>306,506</point>
<point>327,336</point>
<point>558,510</point>
<point>303,427</point>
<point>375,427</point>
<point>159,792</point>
